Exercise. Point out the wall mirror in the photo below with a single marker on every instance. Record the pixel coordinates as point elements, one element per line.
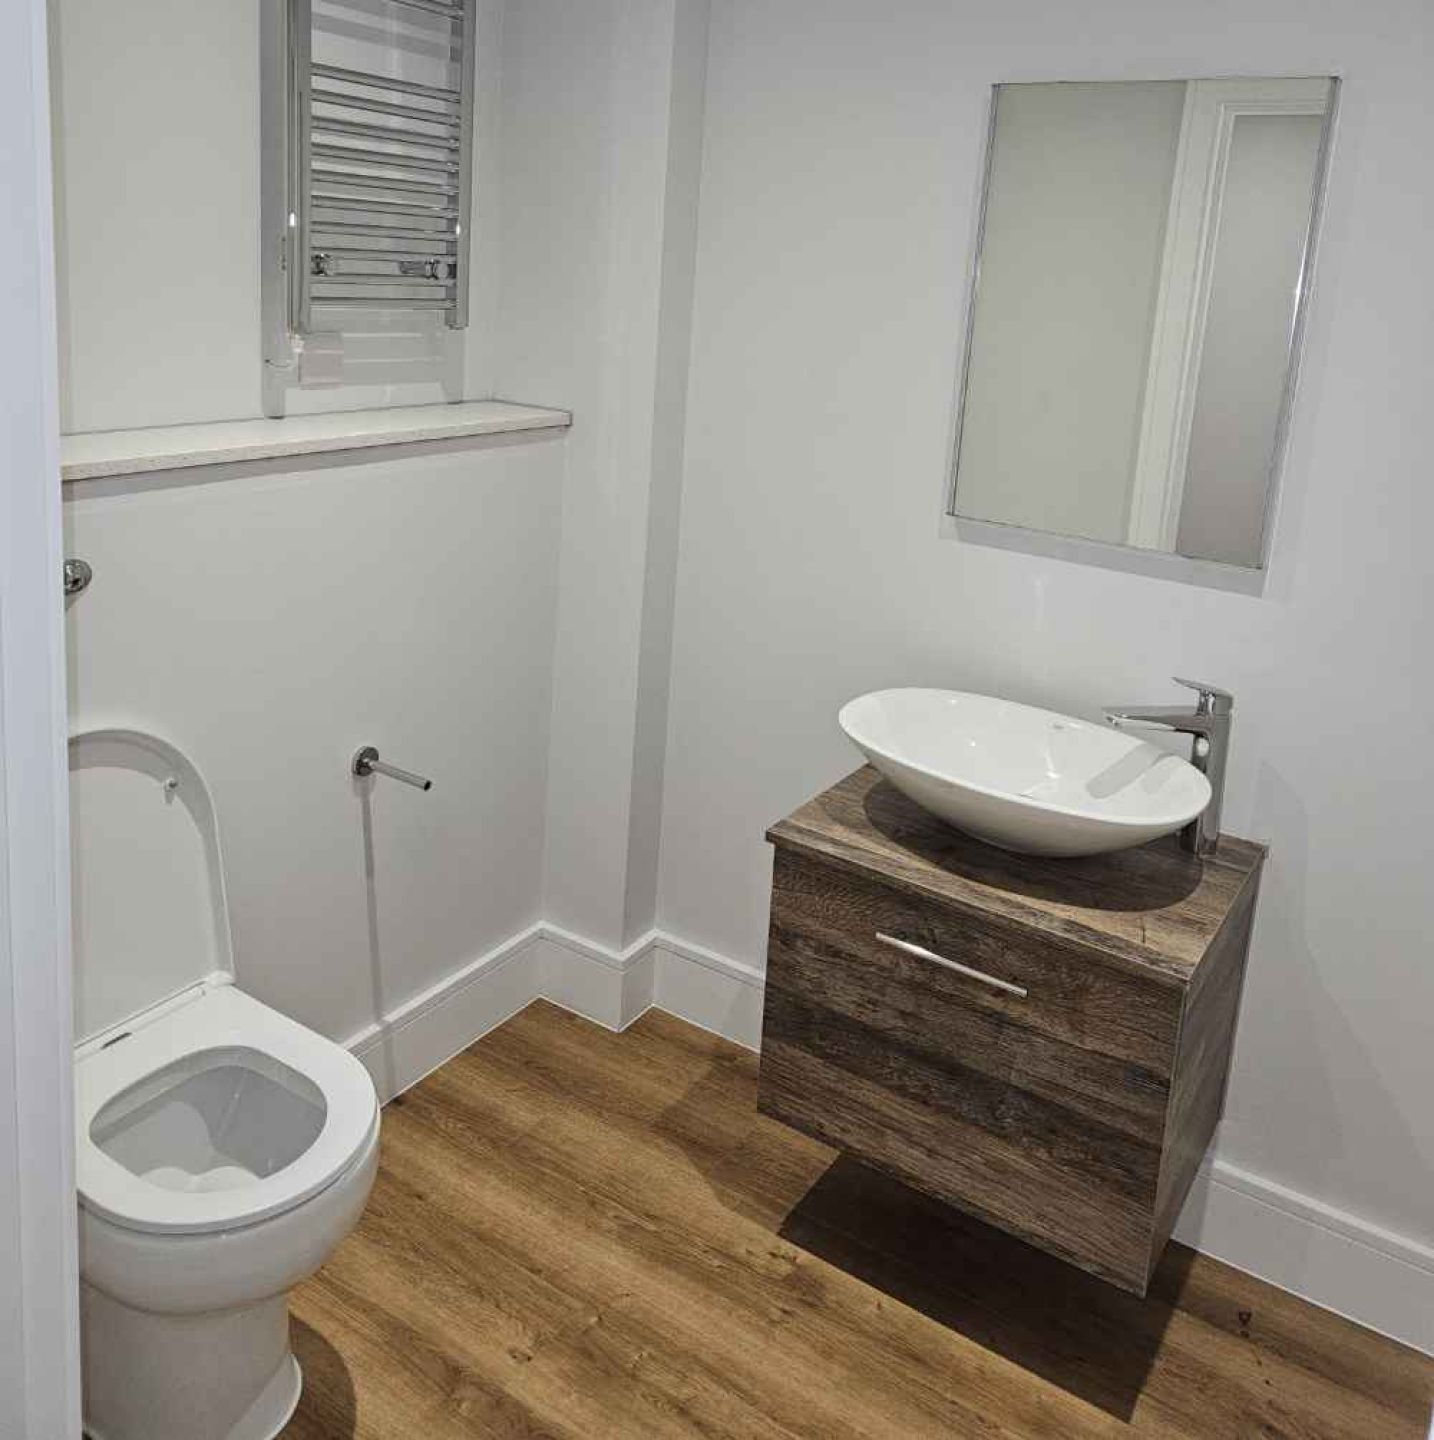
<point>1142,268</point>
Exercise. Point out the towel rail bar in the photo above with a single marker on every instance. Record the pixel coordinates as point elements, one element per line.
<point>371,281</point>
<point>356,180</point>
<point>434,7</point>
<point>371,81</point>
<point>396,257</point>
<point>363,155</point>
<point>389,135</point>
<point>391,232</point>
<point>382,302</point>
<point>409,206</point>
<point>376,106</point>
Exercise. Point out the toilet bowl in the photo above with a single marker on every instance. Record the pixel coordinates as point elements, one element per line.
<point>222,1149</point>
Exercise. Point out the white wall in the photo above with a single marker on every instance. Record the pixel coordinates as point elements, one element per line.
<point>269,622</point>
<point>674,341</point>
<point>156,146</point>
<point>598,153</point>
<point>1074,234</point>
<point>841,168</point>
<point>588,163</point>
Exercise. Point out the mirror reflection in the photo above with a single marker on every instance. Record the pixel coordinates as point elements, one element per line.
<point>1143,259</point>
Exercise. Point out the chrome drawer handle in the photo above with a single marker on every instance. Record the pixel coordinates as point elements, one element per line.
<point>924,954</point>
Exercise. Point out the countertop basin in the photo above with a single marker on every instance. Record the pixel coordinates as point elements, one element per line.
<point>1022,778</point>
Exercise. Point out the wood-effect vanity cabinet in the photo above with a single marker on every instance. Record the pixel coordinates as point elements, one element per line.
<point>1073,1115</point>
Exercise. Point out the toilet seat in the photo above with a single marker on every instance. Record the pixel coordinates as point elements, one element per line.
<point>218,1017</point>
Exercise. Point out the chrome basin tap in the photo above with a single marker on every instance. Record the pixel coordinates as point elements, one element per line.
<point>1209,723</point>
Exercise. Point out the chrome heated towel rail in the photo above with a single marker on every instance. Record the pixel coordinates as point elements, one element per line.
<point>369,170</point>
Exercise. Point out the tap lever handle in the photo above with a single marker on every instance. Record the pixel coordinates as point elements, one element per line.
<point>1213,700</point>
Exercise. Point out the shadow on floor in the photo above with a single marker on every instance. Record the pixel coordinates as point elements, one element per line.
<point>1071,1329</point>
<point>327,1408</point>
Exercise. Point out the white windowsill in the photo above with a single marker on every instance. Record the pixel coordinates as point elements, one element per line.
<point>177,447</point>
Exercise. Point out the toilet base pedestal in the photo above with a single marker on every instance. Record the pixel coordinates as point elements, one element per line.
<point>224,1375</point>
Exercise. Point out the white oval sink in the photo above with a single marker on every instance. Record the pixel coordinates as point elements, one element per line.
<point>1021,778</point>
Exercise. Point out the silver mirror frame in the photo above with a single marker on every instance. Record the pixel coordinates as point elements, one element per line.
<point>1133,558</point>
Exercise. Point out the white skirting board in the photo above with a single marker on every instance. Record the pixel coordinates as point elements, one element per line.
<point>1329,1256</point>
<point>608,986</point>
<point>1334,1258</point>
<point>419,1035</point>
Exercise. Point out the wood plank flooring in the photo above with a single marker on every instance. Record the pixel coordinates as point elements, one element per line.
<point>578,1234</point>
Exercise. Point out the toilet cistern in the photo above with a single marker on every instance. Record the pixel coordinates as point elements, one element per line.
<point>1209,725</point>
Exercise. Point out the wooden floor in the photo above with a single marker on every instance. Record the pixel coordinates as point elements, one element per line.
<point>580,1234</point>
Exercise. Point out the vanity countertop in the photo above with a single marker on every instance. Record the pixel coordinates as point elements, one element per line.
<point>1154,908</point>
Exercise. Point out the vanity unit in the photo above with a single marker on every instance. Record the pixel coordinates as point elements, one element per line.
<point>1043,1043</point>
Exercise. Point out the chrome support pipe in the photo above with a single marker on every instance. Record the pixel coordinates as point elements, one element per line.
<point>467,84</point>
<point>366,763</point>
<point>301,55</point>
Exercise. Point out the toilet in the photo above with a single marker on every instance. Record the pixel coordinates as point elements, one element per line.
<point>222,1149</point>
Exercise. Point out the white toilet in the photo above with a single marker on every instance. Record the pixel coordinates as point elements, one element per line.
<point>223,1150</point>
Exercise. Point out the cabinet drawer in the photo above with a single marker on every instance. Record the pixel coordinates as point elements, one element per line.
<point>1041,1112</point>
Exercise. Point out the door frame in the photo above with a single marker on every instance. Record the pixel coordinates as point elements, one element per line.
<point>1187,267</point>
<point>39,1272</point>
